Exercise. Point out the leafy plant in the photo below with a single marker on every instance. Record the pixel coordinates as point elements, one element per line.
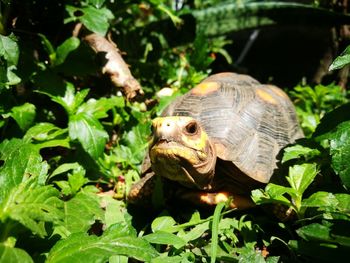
<point>71,144</point>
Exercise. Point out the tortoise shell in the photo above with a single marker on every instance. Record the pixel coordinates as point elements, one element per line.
<point>249,123</point>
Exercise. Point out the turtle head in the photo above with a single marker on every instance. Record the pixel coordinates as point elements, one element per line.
<point>181,151</point>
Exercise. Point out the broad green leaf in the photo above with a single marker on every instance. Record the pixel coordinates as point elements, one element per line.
<point>96,20</point>
<point>301,176</point>
<point>96,3</point>
<point>321,199</point>
<point>343,203</point>
<point>165,238</point>
<point>32,206</point>
<point>337,232</point>
<point>98,108</point>
<point>76,167</point>
<point>21,161</point>
<point>76,181</point>
<point>14,255</point>
<point>247,255</point>
<point>89,132</point>
<point>342,60</point>
<point>273,193</point>
<point>296,151</point>
<point>80,213</point>
<point>340,152</point>
<point>164,223</point>
<point>24,115</point>
<point>65,48</point>
<point>8,77</point>
<point>195,232</point>
<point>71,100</point>
<point>168,259</point>
<point>319,252</point>
<point>9,49</point>
<point>115,211</point>
<point>43,131</point>
<point>116,240</point>
<point>136,140</point>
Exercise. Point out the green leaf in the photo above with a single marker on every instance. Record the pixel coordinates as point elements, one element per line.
<point>24,115</point>
<point>14,255</point>
<point>116,240</point>
<point>296,151</point>
<point>21,161</point>
<point>301,176</point>
<point>98,108</point>
<point>319,252</point>
<point>32,205</point>
<point>164,223</point>
<point>343,203</point>
<point>115,211</point>
<point>165,238</point>
<point>96,3</point>
<point>47,46</point>
<point>43,131</point>
<point>340,152</point>
<point>76,167</point>
<point>321,199</point>
<point>342,60</point>
<point>65,48</point>
<point>273,193</point>
<point>9,49</point>
<point>89,133</point>
<point>134,144</point>
<point>96,20</point>
<point>80,213</point>
<point>215,231</point>
<point>70,101</point>
<point>195,232</point>
<point>337,232</point>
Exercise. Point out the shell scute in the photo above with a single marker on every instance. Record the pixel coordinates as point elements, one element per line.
<point>249,122</point>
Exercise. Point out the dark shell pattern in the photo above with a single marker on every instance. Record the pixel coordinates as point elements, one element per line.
<point>252,122</point>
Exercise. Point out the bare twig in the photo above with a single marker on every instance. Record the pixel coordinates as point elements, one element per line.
<point>115,67</point>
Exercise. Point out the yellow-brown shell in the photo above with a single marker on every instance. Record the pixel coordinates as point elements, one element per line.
<point>249,123</point>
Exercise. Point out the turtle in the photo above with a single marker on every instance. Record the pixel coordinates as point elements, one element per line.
<point>218,141</point>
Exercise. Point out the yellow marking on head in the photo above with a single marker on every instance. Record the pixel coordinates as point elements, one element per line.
<point>265,96</point>
<point>205,88</point>
<point>198,143</point>
<point>278,91</point>
<point>157,122</point>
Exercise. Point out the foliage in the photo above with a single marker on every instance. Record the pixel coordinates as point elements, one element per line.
<point>71,145</point>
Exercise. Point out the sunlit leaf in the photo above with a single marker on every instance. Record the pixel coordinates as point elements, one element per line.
<point>342,60</point>
<point>14,255</point>
<point>89,132</point>
<point>80,213</point>
<point>165,238</point>
<point>65,48</point>
<point>296,151</point>
<point>93,18</point>
<point>301,176</point>
<point>24,115</point>
<point>116,240</point>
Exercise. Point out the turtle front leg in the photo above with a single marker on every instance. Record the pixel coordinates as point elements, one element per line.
<point>212,199</point>
<point>141,192</point>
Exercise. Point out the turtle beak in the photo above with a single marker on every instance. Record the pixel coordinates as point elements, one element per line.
<point>164,129</point>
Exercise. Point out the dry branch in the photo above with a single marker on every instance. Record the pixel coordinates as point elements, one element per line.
<point>115,67</point>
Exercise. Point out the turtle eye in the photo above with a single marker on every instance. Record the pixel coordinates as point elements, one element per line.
<point>192,128</point>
